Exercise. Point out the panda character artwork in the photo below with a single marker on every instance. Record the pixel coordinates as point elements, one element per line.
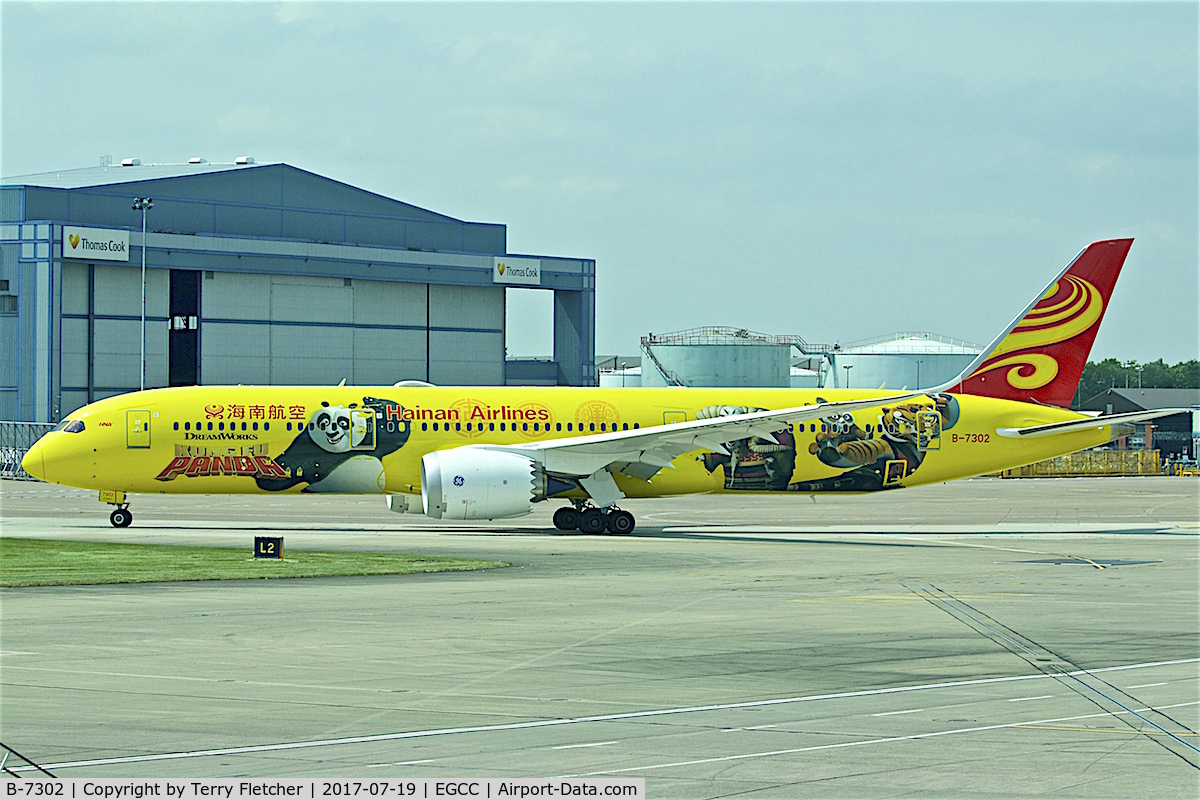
<point>906,433</point>
<point>341,449</point>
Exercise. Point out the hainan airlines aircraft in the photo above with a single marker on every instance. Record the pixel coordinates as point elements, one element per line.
<point>476,453</point>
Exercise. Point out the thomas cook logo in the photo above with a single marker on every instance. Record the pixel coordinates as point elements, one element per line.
<point>1072,307</point>
<point>74,239</point>
<point>501,267</point>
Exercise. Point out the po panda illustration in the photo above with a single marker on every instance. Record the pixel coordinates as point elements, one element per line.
<point>341,449</point>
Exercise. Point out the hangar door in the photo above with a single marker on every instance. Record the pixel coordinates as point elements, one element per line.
<point>183,345</point>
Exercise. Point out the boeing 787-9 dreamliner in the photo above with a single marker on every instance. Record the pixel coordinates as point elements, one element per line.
<point>480,453</point>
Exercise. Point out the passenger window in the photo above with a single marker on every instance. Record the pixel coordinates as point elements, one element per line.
<point>501,426</point>
<point>210,426</point>
<point>491,426</point>
<point>569,425</point>
<point>244,425</point>
<point>187,426</point>
<point>254,425</point>
<point>524,426</point>
<point>468,426</point>
<point>458,426</point>
<point>176,426</point>
<point>424,426</point>
<point>558,426</point>
<point>591,426</point>
<point>435,426</point>
<point>266,426</point>
<point>636,425</point>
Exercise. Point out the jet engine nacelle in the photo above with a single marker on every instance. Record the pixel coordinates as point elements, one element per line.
<point>475,483</point>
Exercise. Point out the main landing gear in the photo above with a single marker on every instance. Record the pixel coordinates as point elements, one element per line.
<point>589,519</point>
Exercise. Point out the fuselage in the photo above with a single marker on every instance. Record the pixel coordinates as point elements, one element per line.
<point>272,439</point>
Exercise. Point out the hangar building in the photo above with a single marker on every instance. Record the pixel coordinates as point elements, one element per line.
<point>258,274</point>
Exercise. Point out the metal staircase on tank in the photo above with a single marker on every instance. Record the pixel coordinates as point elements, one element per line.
<point>669,375</point>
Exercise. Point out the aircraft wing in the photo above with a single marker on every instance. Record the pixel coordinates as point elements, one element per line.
<point>641,453</point>
<point>1093,423</point>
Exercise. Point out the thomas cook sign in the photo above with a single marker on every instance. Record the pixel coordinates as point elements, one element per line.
<point>517,271</point>
<point>95,244</point>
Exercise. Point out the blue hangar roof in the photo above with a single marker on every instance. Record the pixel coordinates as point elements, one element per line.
<point>263,200</point>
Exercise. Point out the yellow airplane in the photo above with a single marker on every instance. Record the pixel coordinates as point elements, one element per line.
<point>473,453</point>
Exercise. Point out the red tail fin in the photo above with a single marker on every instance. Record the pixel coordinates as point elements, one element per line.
<point>1041,358</point>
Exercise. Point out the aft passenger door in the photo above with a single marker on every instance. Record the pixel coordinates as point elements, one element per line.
<point>137,429</point>
<point>929,430</point>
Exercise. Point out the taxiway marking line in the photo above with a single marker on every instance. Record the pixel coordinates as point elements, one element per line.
<point>748,728</point>
<point>894,713</point>
<point>547,723</point>
<point>1126,731</point>
<point>1144,685</point>
<point>589,744</point>
<point>1023,699</point>
<point>792,750</point>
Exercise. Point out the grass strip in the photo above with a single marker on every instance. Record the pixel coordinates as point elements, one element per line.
<point>49,562</point>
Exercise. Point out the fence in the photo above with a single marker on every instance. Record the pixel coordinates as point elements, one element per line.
<point>1091,462</point>
<point>15,440</point>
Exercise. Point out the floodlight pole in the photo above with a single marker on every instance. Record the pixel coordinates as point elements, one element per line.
<point>847,367</point>
<point>143,204</point>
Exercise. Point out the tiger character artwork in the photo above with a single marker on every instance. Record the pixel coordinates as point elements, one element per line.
<point>879,462</point>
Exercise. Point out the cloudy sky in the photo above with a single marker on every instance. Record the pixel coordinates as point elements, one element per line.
<point>832,170</point>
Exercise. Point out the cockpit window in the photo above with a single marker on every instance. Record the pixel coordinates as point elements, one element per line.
<point>75,426</point>
<point>60,426</point>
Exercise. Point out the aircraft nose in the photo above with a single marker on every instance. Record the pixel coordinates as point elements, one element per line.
<point>34,462</point>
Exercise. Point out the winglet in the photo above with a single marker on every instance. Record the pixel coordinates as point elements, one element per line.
<point>1039,358</point>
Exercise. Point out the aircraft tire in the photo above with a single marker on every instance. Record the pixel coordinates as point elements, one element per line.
<point>566,519</point>
<point>592,521</point>
<point>121,518</point>
<point>620,522</point>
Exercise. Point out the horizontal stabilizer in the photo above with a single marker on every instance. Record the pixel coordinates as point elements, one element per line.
<point>1094,423</point>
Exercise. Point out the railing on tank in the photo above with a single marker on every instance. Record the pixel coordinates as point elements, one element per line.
<point>726,334</point>
<point>15,440</point>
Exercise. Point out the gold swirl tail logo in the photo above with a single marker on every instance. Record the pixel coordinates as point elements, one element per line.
<point>1070,308</point>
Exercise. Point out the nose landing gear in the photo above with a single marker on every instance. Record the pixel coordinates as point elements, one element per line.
<point>121,516</point>
<point>589,519</point>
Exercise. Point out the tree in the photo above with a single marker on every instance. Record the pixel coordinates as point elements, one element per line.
<point>1099,376</point>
